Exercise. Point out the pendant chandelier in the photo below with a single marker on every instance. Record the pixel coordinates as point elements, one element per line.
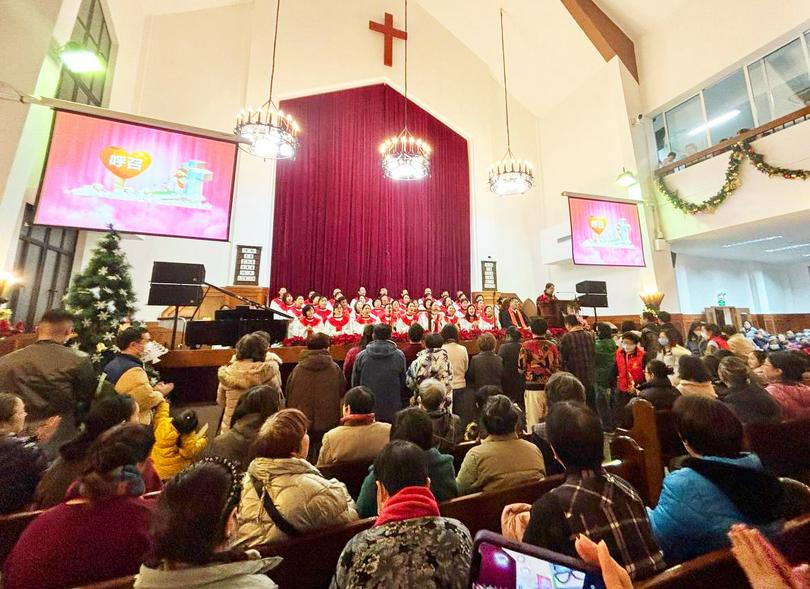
<point>271,133</point>
<point>404,156</point>
<point>510,176</point>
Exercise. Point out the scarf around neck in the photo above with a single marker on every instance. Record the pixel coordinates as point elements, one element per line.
<point>409,503</point>
<point>359,419</point>
<point>512,314</point>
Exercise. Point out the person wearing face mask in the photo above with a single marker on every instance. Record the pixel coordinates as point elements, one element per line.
<point>630,372</point>
<point>126,373</point>
<point>669,352</point>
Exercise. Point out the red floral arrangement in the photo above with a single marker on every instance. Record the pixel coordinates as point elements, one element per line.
<point>345,339</point>
<point>556,331</point>
<point>399,337</point>
<point>7,329</point>
<point>294,341</point>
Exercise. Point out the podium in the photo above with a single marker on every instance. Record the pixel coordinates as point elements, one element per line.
<point>554,312</point>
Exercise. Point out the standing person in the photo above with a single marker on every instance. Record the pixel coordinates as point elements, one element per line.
<point>577,353</point>
<point>315,387</point>
<point>604,373</point>
<point>126,372</point>
<point>670,352</point>
<point>513,315</point>
<point>665,323</point>
<point>538,359</point>
<point>278,303</point>
<point>513,383</point>
<point>410,544</point>
<point>591,501</point>
<point>381,367</point>
<point>432,362</point>
<point>51,379</point>
<point>22,461</point>
<point>351,355</point>
<point>250,368</point>
<point>784,371</point>
<point>192,526</point>
<point>322,309</point>
<point>107,525</point>
<point>416,333</point>
<point>463,400</point>
<point>486,367</point>
<point>548,296</point>
<point>630,364</point>
<point>359,436</point>
<point>649,333</point>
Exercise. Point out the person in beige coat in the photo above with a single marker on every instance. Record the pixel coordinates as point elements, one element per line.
<point>359,436</point>
<point>249,369</point>
<point>279,477</point>
<point>695,378</point>
<point>502,459</point>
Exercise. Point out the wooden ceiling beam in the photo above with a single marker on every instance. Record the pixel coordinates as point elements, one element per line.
<point>605,35</point>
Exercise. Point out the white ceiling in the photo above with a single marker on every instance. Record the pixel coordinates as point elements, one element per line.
<point>793,230</point>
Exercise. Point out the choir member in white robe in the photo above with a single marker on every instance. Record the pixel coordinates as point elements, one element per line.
<point>489,320</point>
<point>427,295</point>
<point>361,295</point>
<point>388,317</point>
<point>408,318</point>
<point>298,306</point>
<point>402,294</point>
<point>431,318</point>
<point>377,308</point>
<point>479,304</point>
<point>276,303</point>
<point>307,324</point>
<point>365,318</point>
<point>450,315</point>
<point>396,310</point>
<point>470,320</point>
<point>322,310</point>
<point>338,323</point>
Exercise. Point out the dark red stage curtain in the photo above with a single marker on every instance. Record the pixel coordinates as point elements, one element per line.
<point>339,223</point>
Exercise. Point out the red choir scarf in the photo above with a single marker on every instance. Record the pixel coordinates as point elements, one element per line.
<point>277,301</point>
<point>410,503</point>
<point>409,319</point>
<point>310,322</point>
<point>388,319</point>
<point>295,311</point>
<point>512,314</point>
<point>364,320</point>
<point>338,324</point>
<point>451,319</point>
<point>324,314</point>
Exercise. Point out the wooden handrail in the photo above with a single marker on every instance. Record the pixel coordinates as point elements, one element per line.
<point>726,145</point>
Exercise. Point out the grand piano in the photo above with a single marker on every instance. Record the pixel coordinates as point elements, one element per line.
<point>229,325</point>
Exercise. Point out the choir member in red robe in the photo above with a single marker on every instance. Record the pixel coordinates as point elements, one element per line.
<point>307,324</point>
<point>470,320</point>
<point>336,294</point>
<point>310,300</point>
<point>408,318</point>
<point>338,323</point>
<point>489,320</point>
<point>383,293</point>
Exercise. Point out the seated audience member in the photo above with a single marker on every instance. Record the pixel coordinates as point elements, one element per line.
<point>669,352</point>
<point>486,367</point>
<point>359,436</point>
<point>712,364</point>
<point>755,361</point>
<point>410,545</point>
<point>102,534</point>
<point>738,344</point>
<point>447,430</point>
<point>315,387</point>
<point>416,333</point>
<point>513,382</point>
<point>604,373</point>
<point>718,486</point>
<point>562,386</point>
<point>283,495</point>
<point>714,338</point>
<point>381,368</point>
<point>591,501</point>
<point>252,410</point>
<point>351,355</point>
<point>502,459</point>
<point>476,430</point>
<point>74,455</point>
<point>538,360</point>
<point>52,379</point>
<point>432,362</point>
<point>22,461</point>
<point>784,372</point>
<point>657,389</point>
<point>192,527</point>
<point>695,378</point>
<point>630,362</point>
<point>126,373</point>
<point>414,425</point>
<point>176,441</point>
<point>748,400</point>
<point>249,369</point>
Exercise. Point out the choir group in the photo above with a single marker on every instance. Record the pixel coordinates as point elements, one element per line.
<point>338,315</point>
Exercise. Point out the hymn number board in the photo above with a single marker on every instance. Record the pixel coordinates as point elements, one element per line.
<point>489,275</point>
<point>248,258</point>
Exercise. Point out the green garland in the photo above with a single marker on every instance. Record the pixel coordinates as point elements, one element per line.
<point>739,152</point>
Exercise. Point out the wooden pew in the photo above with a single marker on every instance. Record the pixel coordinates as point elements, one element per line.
<point>720,569</point>
<point>460,451</point>
<point>119,583</point>
<point>352,474</point>
<point>629,463</point>
<point>783,448</point>
<point>11,528</point>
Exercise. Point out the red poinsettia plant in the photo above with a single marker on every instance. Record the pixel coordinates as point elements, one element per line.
<point>7,329</point>
<point>346,339</point>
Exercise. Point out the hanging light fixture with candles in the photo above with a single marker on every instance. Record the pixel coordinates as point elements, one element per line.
<point>404,156</point>
<point>510,176</point>
<point>626,178</point>
<point>271,133</point>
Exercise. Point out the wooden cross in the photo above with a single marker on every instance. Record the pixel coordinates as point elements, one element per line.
<point>390,33</point>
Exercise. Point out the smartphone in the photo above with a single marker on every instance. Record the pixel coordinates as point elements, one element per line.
<point>498,562</point>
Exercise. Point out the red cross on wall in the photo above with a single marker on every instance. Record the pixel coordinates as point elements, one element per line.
<point>390,33</point>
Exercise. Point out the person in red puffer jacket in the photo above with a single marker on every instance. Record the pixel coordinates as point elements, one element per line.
<point>630,372</point>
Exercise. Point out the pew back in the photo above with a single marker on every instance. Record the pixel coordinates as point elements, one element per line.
<point>11,528</point>
<point>352,474</point>
<point>783,448</point>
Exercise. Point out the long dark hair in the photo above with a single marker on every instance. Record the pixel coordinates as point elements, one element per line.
<point>104,414</point>
<point>368,335</point>
<point>262,400</point>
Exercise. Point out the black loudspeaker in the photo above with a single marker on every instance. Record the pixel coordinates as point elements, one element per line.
<point>175,294</point>
<point>587,287</point>
<point>176,273</point>
<point>595,301</point>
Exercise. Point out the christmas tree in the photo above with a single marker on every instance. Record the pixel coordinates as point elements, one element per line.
<point>101,299</point>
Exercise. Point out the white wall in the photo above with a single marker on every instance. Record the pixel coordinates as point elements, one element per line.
<point>763,288</point>
<point>227,51</point>
<point>702,38</point>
